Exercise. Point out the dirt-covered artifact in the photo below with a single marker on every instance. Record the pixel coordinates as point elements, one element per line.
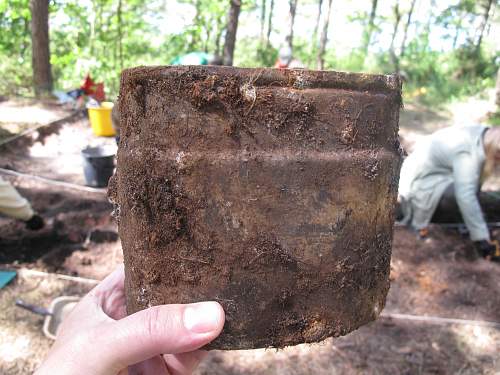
<point>270,191</point>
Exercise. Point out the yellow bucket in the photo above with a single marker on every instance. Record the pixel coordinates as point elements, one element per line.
<point>100,120</point>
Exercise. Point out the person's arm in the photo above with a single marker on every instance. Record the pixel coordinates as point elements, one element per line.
<point>466,173</point>
<point>12,204</point>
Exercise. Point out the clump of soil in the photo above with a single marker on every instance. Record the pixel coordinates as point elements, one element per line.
<point>236,97</point>
<point>236,185</point>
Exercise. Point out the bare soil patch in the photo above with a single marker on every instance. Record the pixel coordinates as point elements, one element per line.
<point>429,277</point>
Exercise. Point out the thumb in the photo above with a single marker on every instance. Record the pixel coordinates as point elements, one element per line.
<point>166,329</point>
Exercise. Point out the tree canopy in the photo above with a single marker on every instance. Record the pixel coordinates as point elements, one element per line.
<point>444,49</point>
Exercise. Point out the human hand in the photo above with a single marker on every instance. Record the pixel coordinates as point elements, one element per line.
<point>98,338</point>
<point>486,248</point>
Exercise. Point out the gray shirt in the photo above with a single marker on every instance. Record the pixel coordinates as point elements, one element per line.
<point>453,155</point>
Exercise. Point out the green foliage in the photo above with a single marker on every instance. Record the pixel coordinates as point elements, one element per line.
<point>266,55</point>
<point>101,37</point>
<point>494,119</point>
<point>302,52</point>
<point>206,31</point>
<point>93,37</point>
<point>353,62</point>
<point>15,47</point>
<point>14,25</point>
<point>446,76</point>
<point>16,75</point>
<point>251,53</point>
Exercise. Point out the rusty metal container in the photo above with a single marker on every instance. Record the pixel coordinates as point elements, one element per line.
<point>270,191</point>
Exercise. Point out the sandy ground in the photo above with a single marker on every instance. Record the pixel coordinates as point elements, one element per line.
<point>53,152</point>
<point>29,111</point>
<point>19,115</point>
<point>430,278</point>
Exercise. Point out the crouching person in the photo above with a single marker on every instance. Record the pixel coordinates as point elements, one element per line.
<point>13,205</point>
<point>460,158</point>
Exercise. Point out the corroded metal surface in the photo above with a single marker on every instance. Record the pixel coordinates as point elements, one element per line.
<point>270,191</point>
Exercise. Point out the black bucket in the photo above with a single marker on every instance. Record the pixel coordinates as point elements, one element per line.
<point>98,165</point>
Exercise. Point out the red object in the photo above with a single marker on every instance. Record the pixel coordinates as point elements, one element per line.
<point>99,94</point>
<point>96,90</point>
<point>87,85</point>
<point>280,65</point>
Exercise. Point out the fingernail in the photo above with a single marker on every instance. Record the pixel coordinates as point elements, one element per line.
<point>202,317</point>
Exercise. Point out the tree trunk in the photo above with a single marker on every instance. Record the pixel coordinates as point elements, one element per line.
<point>324,37</point>
<point>292,10</point>
<point>195,38</point>
<point>316,26</point>
<point>392,53</point>
<point>92,20</point>
<point>232,27</point>
<point>455,38</point>
<point>314,40</point>
<point>407,26</point>
<point>262,20</point>
<point>42,74</point>
<point>497,93</point>
<point>367,36</point>
<point>270,24</point>
<point>217,43</point>
<point>483,25</point>
<point>218,37</point>
<point>208,34</point>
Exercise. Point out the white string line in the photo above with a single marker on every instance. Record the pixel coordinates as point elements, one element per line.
<point>28,272</point>
<point>440,320</point>
<point>31,130</point>
<point>416,318</point>
<point>68,185</point>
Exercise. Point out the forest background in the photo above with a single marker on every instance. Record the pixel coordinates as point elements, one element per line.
<point>444,49</point>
